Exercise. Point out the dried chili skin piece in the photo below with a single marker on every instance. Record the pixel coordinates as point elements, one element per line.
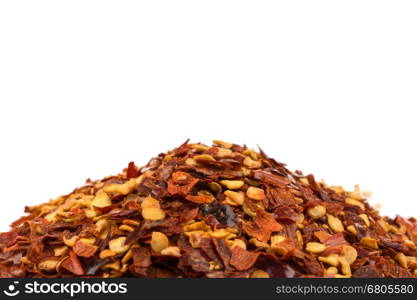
<point>197,261</point>
<point>141,257</point>
<point>262,225</point>
<point>199,199</point>
<point>276,268</point>
<point>73,265</point>
<point>209,211</point>
<point>270,178</point>
<point>242,259</point>
<point>84,250</point>
<point>285,214</point>
<point>209,248</point>
<point>223,251</point>
<point>132,170</point>
<point>181,183</point>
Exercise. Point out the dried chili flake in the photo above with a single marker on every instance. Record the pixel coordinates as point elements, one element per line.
<point>181,183</point>
<point>132,170</point>
<point>199,199</point>
<point>262,225</point>
<point>242,259</point>
<point>197,261</point>
<point>72,264</point>
<point>83,249</point>
<point>219,211</point>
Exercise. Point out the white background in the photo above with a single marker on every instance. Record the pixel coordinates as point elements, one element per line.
<point>328,87</point>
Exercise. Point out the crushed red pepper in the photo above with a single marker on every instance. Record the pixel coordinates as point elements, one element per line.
<point>216,212</point>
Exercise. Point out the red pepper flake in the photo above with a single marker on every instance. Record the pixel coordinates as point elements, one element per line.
<point>197,261</point>
<point>84,250</point>
<point>262,225</point>
<point>335,240</point>
<point>223,250</point>
<point>243,259</point>
<point>181,184</point>
<point>322,236</point>
<point>141,257</point>
<point>72,264</point>
<point>269,178</point>
<point>285,214</point>
<point>200,199</point>
<point>132,171</point>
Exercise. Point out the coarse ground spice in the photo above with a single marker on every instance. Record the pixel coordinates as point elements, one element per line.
<point>200,211</point>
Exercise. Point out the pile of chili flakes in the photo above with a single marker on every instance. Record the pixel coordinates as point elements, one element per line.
<point>200,211</point>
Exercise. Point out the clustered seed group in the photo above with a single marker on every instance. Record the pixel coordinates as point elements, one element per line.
<point>200,211</point>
